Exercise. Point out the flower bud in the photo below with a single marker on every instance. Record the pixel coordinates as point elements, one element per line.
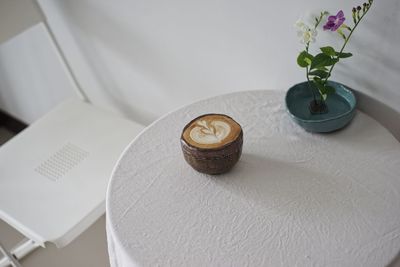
<point>354,10</point>
<point>358,13</point>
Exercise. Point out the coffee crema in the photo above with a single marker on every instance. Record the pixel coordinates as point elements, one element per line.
<point>211,131</point>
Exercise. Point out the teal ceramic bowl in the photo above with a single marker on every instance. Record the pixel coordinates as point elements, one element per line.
<point>341,108</point>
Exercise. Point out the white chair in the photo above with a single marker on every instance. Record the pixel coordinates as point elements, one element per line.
<point>54,174</point>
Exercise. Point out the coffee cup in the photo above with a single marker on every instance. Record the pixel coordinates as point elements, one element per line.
<point>212,143</point>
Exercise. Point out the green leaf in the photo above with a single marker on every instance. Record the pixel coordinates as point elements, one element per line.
<point>317,79</point>
<point>325,90</point>
<point>328,50</point>
<point>319,84</point>
<point>329,89</point>
<point>304,59</point>
<point>343,55</point>
<point>322,60</point>
<point>346,27</point>
<point>320,73</point>
<point>340,32</point>
<point>323,69</point>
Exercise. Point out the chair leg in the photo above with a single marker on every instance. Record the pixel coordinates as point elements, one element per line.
<point>9,258</point>
<point>22,249</point>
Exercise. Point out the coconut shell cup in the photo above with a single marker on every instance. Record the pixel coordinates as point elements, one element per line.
<point>212,160</point>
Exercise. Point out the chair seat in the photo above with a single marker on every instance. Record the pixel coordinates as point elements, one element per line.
<point>54,174</point>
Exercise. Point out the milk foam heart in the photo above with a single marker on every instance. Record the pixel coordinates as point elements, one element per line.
<point>211,131</point>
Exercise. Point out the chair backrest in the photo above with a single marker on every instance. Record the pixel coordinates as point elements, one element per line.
<point>381,112</point>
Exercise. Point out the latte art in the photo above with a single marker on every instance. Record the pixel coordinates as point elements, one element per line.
<point>210,132</point>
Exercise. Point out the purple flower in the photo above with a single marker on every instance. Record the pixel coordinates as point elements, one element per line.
<point>334,22</point>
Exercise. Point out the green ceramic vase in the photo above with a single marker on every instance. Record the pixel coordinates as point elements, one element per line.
<point>341,108</point>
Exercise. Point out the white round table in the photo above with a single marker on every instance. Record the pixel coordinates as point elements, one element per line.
<point>294,198</point>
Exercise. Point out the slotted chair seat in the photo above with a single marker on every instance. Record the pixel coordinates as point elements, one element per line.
<point>54,174</point>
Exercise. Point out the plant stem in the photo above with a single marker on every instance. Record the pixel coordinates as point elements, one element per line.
<point>308,77</point>
<point>345,43</point>
<point>321,16</point>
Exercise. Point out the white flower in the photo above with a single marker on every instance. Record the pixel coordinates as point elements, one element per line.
<point>299,24</point>
<point>307,36</point>
<point>305,33</point>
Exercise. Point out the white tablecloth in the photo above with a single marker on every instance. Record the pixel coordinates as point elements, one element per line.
<point>294,198</point>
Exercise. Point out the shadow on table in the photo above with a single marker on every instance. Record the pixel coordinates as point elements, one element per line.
<point>276,184</point>
<point>310,197</point>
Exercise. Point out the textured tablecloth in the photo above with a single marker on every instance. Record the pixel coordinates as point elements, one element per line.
<point>294,198</point>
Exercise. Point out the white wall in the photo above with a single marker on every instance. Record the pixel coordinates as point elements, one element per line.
<point>144,58</point>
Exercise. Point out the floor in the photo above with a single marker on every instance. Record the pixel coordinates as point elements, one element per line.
<point>5,135</point>
<point>89,249</point>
